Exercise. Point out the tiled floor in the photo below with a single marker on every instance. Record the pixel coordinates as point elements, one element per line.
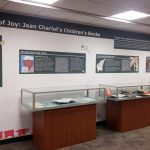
<point>105,140</point>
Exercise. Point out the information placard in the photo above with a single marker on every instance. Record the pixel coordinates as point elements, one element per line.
<point>147,64</point>
<point>40,62</point>
<point>131,43</point>
<point>0,61</point>
<point>116,64</point>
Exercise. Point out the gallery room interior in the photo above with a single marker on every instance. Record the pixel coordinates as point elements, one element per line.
<point>74,74</point>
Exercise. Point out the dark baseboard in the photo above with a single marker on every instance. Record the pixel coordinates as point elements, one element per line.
<point>101,123</point>
<point>17,139</point>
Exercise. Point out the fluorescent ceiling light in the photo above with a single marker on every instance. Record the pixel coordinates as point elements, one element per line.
<point>130,15</point>
<point>47,2</point>
<point>115,19</point>
<point>127,16</point>
<point>40,3</point>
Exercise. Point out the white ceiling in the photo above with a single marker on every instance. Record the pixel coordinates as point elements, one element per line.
<point>87,12</point>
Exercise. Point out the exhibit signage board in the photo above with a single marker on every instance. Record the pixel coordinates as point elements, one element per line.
<point>147,64</point>
<point>122,39</point>
<point>42,62</point>
<point>0,61</point>
<point>116,64</point>
<point>131,43</point>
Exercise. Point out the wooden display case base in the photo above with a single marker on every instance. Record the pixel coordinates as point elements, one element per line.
<point>128,114</point>
<point>58,128</point>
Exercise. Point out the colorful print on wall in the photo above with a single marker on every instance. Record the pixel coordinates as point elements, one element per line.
<point>45,62</point>
<point>27,63</point>
<point>14,133</point>
<point>116,64</point>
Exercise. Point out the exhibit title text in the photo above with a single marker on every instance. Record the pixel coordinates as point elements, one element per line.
<point>48,28</point>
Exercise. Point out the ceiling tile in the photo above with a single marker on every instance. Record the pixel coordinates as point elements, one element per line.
<point>126,4</point>
<point>54,13</point>
<point>104,22</point>
<point>144,21</point>
<point>130,27</point>
<point>3,3</point>
<point>90,7</point>
<point>81,18</point>
<point>22,8</point>
<point>94,22</point>
<point>145,9</point>
<point>146,29</point>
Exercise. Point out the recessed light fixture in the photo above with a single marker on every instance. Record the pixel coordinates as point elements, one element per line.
<point>127,16</point>
<point>115,19</point>
<point>48,2</point>
<point>41,3</point>
<point>130,15</point>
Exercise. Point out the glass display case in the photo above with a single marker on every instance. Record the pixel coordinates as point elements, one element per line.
<point>59,97</point>
<point>126,91</point>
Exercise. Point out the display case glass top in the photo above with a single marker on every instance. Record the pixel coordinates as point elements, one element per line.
<point>60,97</point>
<point>126,91</point>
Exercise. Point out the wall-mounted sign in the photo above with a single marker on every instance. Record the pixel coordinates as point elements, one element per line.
<point>34,62</point>
<point>48,25</point>
<point>131,43</point>
<point>116,64</point>
<point>0,61</point>
<point>147,64</point>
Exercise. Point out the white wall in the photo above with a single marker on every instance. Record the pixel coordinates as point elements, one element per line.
<point>12,114</point>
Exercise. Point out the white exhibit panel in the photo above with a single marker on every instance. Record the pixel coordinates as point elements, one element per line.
<point>15,120</point>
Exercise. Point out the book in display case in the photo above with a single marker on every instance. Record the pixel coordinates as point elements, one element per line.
<point>59,97</point>
<point>127,106</point>
<point>63,116</point>
<point>126,91</point>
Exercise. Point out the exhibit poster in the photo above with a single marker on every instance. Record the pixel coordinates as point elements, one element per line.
<point>0,61</point>
<point>40,62</point>
<point>147,64</point>
<point>116,64</point>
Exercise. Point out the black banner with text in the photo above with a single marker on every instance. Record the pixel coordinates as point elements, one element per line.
<point>131,43</point>
<point>49,25</point>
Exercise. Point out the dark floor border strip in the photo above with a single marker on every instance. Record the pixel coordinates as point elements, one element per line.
<point>17,139</point>
<point>101,123</point>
